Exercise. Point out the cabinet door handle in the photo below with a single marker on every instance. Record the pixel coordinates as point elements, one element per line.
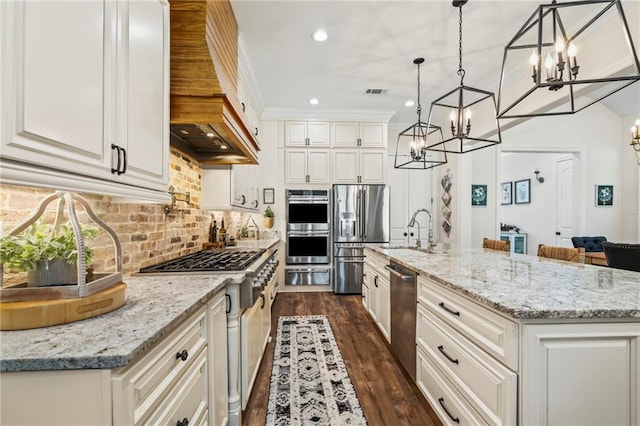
<point>359,142</point>
<point>453,360</point>
<point>455,419</point>
<point>244,200</point>
<point>256,132</point>
<point>124,162</point>
<point>228,302</point>
<point>255,203</point>
<point>451,311</point>
<point>243,106</point>
<point>263,301</point>
<point>183,422</point>
<point>375,281</point>
<point>117,168</point>
<point>306,141</point>
<point>182,355</point>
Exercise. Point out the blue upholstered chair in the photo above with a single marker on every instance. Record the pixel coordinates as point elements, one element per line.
<point>589,243</point>
<point>622,256</point>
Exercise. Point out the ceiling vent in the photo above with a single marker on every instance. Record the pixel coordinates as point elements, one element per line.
<point>376,91</point>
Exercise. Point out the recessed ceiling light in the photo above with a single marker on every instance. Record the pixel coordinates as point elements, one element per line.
<point>210,135</point>
<point>409,103</point>
<point>319,35</point>
<point>314,101</point>
<point>223,146</point>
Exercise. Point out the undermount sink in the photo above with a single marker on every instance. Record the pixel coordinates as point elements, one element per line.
<point>421,249</point>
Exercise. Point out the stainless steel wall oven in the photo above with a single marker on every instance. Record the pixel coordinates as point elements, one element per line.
<point>304,247</point>
<point>308,237</point>
<point>308,210</point>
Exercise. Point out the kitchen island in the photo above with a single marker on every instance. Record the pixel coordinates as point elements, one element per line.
<point>504,338</point>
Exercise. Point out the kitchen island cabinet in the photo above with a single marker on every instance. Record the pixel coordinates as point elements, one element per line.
<point>160,358</point>
<point>513,339</point>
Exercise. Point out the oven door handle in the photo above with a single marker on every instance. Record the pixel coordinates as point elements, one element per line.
<point>296,271</point>
<point>308,234</point>
<point>309,201</point>
<point>349,261</point>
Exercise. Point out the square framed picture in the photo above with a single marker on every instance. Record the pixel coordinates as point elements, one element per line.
<point>604,195</point>
<point>522,190</point>
<point>506,196</point>
<point>268,196</point>
<point>478,195</point>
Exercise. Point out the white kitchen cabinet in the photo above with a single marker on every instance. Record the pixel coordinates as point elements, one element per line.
<point>366,135</point>
<point>307,166</point>
<point>359,166</point>
<point>230,187</point>
<point>379,292</point>
<point>256,321</point>
<point>247,104</point>
<point>218,359</point>
<point>307,133</point>
<point>87,93</point>
<point>581,374</point>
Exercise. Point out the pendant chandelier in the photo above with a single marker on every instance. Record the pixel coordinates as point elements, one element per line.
<point>411,149</point>
<point>456,108</point>
<point>540,71</point>
<point>635,139</point>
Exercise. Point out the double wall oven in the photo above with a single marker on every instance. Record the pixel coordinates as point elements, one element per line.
<point>308,253</point>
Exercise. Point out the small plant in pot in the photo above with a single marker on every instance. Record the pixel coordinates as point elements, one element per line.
<point>48,257</point>
<point>268,218</point>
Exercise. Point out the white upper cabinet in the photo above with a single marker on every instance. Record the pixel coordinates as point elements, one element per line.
<point>307,166</point>
<point>85,90</point>
<point>366,135</point>
<point>359,166</point>
<point>307,133</point>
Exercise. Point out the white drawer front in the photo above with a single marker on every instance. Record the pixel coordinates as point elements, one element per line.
<point>443,397</point>
<point>140,387</point>
<point>488,385</point>
<point>492,332</point>
<point>188,399</point>
<point>377,262</point>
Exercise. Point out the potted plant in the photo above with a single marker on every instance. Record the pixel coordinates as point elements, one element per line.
<point>268,218</point>
<point>49,257</point>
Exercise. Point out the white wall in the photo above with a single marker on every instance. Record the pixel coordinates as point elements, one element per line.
<point>597,133</point>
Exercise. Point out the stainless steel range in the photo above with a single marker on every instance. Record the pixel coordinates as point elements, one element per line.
<point>257,265</point>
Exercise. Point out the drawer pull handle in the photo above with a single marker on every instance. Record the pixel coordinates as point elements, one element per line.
<point>183,422</point>
<point>455,419</point>
<point>451,311</point>
<point>182,355</point>
<point>453,360</point>
<point>263,301</point>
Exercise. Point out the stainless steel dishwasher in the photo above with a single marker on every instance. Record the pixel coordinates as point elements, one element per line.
<point>403,315</point>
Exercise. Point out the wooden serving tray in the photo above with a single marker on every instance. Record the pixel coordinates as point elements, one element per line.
<point>45,313</point>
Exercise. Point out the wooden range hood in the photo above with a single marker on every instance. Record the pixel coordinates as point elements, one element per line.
<point>206,118</point>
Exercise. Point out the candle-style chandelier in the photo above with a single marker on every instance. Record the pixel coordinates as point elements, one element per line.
<point>635,139</point>
<point>546,50</point>
<point>455,109</point>
<point>411,149</point>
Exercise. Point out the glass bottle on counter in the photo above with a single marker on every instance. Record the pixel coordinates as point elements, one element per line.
<point>222,233</point>
<point>213,232</point>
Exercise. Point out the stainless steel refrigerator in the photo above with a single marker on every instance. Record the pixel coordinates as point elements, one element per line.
<point>360,215</point>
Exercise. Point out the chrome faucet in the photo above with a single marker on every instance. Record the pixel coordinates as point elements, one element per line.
<point>413,222</point>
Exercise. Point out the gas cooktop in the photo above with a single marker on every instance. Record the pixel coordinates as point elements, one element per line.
<point>211,260</point>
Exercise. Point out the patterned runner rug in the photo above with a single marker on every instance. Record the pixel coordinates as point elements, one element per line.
<point>309,383</point>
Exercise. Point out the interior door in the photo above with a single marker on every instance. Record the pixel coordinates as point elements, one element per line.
<point>564,201</point>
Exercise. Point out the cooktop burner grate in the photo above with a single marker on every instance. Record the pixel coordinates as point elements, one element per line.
<point>207,261</point>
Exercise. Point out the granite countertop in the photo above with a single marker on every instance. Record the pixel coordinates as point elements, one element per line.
<point>156,305</point>
<point>527,287</point>
<point>258,244</point>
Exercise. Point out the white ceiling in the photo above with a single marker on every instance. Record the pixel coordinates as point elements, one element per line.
<point>372,45</point>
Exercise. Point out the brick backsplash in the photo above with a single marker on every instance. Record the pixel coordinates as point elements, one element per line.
<point>146,233</point>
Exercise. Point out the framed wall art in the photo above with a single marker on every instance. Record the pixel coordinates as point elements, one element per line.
<point>268,196</point>
<point>522,190</point>
<point>479,195</point>
<point>604,195</point>
<point>506,196</point>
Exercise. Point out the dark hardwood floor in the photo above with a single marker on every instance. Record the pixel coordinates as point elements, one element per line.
<point>387,396</point>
